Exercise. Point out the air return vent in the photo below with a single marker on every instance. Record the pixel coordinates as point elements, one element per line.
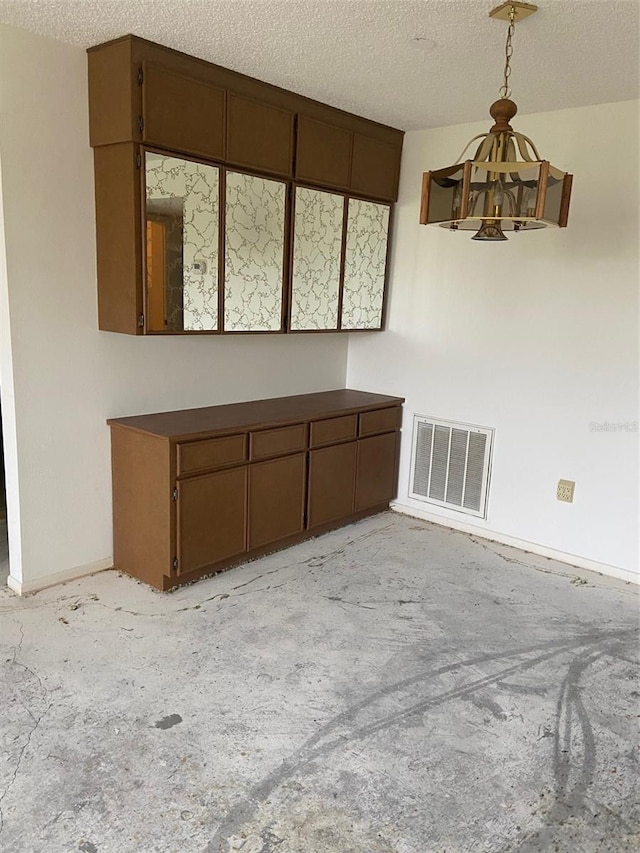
<point>450,464</point>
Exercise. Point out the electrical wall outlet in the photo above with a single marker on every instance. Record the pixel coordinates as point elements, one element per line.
<point>566,489</point>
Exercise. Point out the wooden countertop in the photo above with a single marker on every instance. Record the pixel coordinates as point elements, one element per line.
<point>257,414</point>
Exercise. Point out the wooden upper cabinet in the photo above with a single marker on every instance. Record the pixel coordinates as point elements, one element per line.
<point>323,154</point>
<point>269,256</point>
<point>182,113</point>
<point>259,136</point>
<point>144,92</point>
<point>375,167</point>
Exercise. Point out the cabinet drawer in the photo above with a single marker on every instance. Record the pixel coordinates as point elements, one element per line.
<point>278,442</point>
<point>333,430</point>
<point>383,420</point>
<point>212,453</point>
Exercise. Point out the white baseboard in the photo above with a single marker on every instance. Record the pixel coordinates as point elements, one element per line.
<point>38,584</point>
<point>522,544</point>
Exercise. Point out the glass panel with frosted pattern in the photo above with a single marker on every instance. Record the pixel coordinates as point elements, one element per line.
<point>365,264</point>
<point>182,219</point>
<point>317,245</point>
<point>254,253</point>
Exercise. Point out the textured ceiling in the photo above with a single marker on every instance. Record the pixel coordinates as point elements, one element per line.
<point>408,63</point>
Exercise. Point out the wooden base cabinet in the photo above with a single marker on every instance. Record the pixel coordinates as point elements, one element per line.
<point>199,490</point>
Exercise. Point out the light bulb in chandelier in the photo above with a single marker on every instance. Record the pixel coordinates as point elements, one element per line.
<point>507,186</point>
<point>498,193</point>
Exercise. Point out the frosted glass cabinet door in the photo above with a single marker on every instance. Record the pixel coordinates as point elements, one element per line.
<point>182,222</point>
<point>365,264</point>
<point>254,253</point>
<point>317,245</point>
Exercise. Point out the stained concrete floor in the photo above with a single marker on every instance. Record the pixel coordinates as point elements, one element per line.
<point>392,687</point>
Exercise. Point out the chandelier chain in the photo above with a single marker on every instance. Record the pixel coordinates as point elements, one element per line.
<point>505,90</point>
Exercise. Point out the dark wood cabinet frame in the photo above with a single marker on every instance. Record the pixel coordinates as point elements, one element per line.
<point>116,88</point>
<point>121,94</point>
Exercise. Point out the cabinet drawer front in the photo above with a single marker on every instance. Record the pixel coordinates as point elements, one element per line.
<point>383,420</point>
<point>183,113</point>
<point>333,430</point>
<point>212,453</point>
<point>278,442</point>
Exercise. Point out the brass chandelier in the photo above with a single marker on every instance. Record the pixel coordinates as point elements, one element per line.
<point>495,191</point>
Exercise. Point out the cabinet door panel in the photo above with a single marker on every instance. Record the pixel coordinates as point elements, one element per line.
<point>376,480</point>
<point>365,265</point>
<point>211,518</point>
<point>183,113</point>
<point>323,153</point>
<point>317,252</point>
<point>276,499</point>
<point>259,136</point>
<point>375,167</point>
<point>331,483</point>
<point>254,253</point>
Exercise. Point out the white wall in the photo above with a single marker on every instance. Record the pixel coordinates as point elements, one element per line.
<point>537,337</point>
<point>68,376</point>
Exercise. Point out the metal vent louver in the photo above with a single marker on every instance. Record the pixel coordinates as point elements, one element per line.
<point>450,464</point>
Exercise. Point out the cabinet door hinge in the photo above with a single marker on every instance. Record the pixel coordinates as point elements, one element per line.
<point>138,161</point>
<point>141,321</point>
<point>140,124</point>
<point>175,563</point>
<point>174,494</point>
<point>140,76</point>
